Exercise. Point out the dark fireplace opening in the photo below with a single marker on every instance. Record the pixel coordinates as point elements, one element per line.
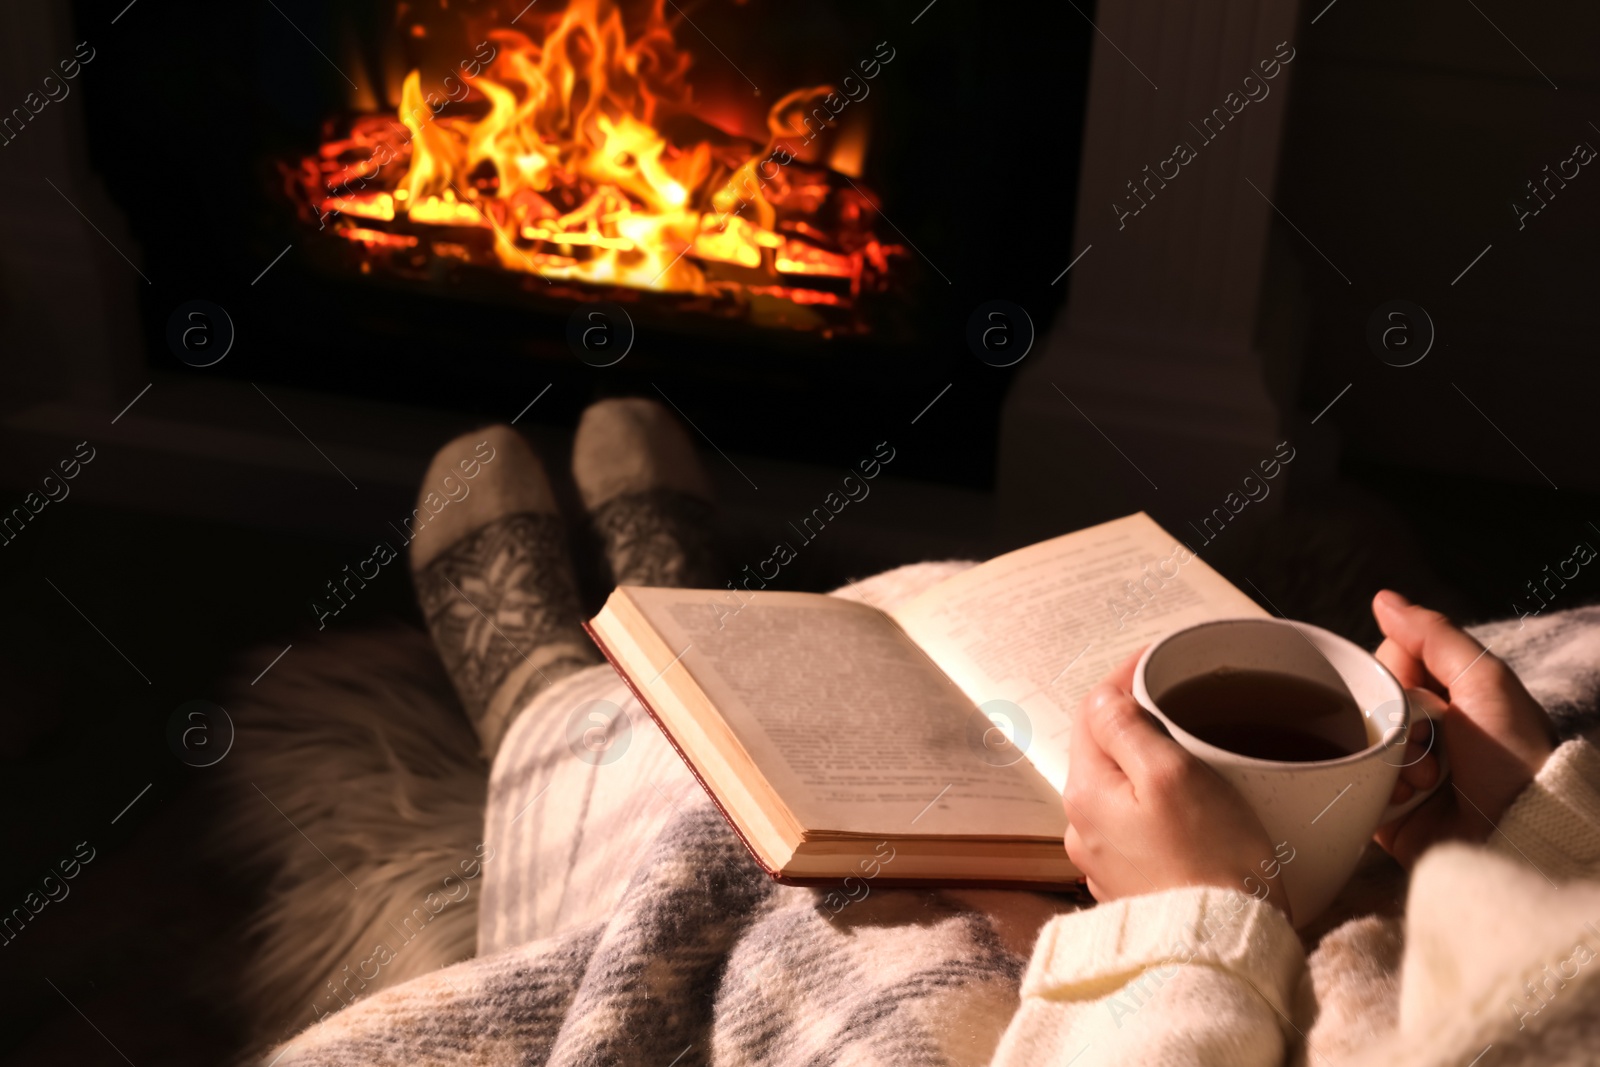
<point>828,303</point>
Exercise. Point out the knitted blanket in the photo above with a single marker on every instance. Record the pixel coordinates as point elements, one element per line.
<point>622,922</point>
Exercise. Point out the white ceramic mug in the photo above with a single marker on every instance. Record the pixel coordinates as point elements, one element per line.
<point>1322,812</point>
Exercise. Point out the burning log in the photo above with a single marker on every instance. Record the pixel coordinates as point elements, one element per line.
<point>576,156</point>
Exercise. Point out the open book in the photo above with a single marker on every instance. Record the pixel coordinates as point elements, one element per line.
<point>823,727</point>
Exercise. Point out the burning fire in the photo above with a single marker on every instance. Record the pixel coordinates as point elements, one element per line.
<point>552,160</point>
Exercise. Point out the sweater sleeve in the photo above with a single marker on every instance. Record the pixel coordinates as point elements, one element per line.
<point>1193,976</point>
<point>1554,824</point>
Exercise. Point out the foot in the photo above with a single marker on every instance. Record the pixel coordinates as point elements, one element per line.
<point>494,577</point>
<point>646,493</point>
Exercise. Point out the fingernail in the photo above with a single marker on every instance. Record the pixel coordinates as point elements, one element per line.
<point>1390,599</point>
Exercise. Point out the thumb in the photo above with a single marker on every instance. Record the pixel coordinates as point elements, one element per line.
<point>1451,655</point>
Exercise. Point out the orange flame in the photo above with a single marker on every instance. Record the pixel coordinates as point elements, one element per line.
<point>575,152</point>
<point>569,169</point>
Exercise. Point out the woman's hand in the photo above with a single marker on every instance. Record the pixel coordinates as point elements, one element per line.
<point>1146,816</point>
<point>1497,735</point>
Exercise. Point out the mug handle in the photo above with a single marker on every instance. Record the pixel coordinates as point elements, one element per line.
<point>1427,703</point>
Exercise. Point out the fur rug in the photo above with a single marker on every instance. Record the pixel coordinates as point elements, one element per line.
<point>359,742</point>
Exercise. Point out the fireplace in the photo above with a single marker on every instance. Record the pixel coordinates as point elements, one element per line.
<point>796,210</point>
<point>565,155</point>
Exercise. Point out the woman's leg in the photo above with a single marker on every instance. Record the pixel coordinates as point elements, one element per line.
<point>495,579</point>
<point>567,817</point>
<point>490,558</point>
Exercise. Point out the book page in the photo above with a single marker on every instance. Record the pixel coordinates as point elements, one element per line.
<point>853,726</point>
<point>1037,628</point>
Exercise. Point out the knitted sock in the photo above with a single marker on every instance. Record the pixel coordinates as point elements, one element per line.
<point>647,495</point>
<point>494,577</point>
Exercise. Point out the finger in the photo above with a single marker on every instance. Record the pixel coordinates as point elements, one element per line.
<point>1423,774</point>
<point>1419,767</point>
<point>1407,837</point>
<point>1073,842</point>
<point>1089,767</point>
<point>1083,843</point>
<point>1449,653</point>
<point>1128,734</point>
<point>1122,675</point>
<point>1403,665</point>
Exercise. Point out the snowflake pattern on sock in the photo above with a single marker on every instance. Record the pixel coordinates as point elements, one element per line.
<point>497,597</point>
<point>657,537</point>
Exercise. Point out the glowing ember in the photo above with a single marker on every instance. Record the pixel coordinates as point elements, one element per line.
<point>550,160</point>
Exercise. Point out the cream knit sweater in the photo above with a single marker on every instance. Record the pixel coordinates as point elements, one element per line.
<point>1499,961</point>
